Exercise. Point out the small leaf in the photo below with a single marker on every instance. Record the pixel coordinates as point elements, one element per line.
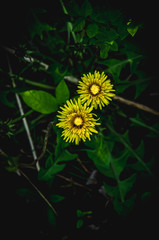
<point>66,156</point>
<point>62,92</point>
<point>86,9</point>
<point>100,156</point>
<point>78,25</point>
<point>40,101</point>
<point>92,30</point>
<point>104,51</point>
<point>124,208</point>
<point>51,217</point>
<point>56,198</point>
<point>132,28</point>
<point>79,223</point>
<point>48,174</point>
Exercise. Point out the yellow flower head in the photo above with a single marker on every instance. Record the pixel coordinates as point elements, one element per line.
<point>94,89</point>
<point>77,121</point>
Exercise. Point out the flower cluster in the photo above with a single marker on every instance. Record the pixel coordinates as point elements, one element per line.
<point>76,117</point>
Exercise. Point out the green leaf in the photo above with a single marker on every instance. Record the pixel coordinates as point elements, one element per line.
<point>62,92</point>
<point>56,198</point>
<point>79,223</point>
<point>126,185</point>
<point>100,156</point>
<point>86,9</point>
<point>137,121</point>
<point>104,51</point>
<point>125,141</point>
<point>92,30</point>
<point>40,101</point>
<point>132,28</point>
<point>66,156</point>
<point>38,27</point>
<point>114,67</point>
<point>79,24</point>
<point>121,189</point>
<point>51,217</point>
<point>105,35</point>
<point>48,174</point>
<point>126,207</point>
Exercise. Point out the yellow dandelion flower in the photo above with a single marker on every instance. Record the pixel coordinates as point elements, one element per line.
<point>77,121</point>
<point>95,89</point>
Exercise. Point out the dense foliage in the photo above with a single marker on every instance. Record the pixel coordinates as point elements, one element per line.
<point>42,74</point>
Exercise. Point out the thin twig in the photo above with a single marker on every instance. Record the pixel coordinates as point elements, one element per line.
<point>83,166</point>
<point>39,192</point>
<point>73,182</point>
<point>43,149</point>
<point>24,120</point>
<point>135,104</point>
<point>45,140</point>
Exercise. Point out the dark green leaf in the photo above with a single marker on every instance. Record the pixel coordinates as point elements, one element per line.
<point>132,28</point>
<point>62,92</point>
<point>79,223</point>
<point>79,25</point>
<point>86,9</point>
<point>66,156</point>
<point>92,30</point>
<point>100,155</point>
<point>38,27</point>
<point>124,208</point>
<point>104,51</point>
<point>51,217</point>
<point>48,174</point>
<point>56,198</point>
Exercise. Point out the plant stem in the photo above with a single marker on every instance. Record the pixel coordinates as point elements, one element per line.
<point>22,116</point>
<point>135,104</point>
<point>39,192</point>
<point>37,84</point>
<point>69,25</point>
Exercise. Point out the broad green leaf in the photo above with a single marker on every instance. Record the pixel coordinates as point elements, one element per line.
<point>92,30</point>
<point>79,25</point>
<point>40,101</point>
<point>62,92</point>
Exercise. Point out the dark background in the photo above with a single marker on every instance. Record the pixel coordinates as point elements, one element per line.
<point>18,219</point>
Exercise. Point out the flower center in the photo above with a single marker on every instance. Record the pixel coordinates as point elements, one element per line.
<point>95,89</point>
<point>78,121</point>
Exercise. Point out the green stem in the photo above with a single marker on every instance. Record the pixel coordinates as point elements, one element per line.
<point>37,84</point>
<point>69,24</point>
<point>23,116</point>
<point>39,192</point>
